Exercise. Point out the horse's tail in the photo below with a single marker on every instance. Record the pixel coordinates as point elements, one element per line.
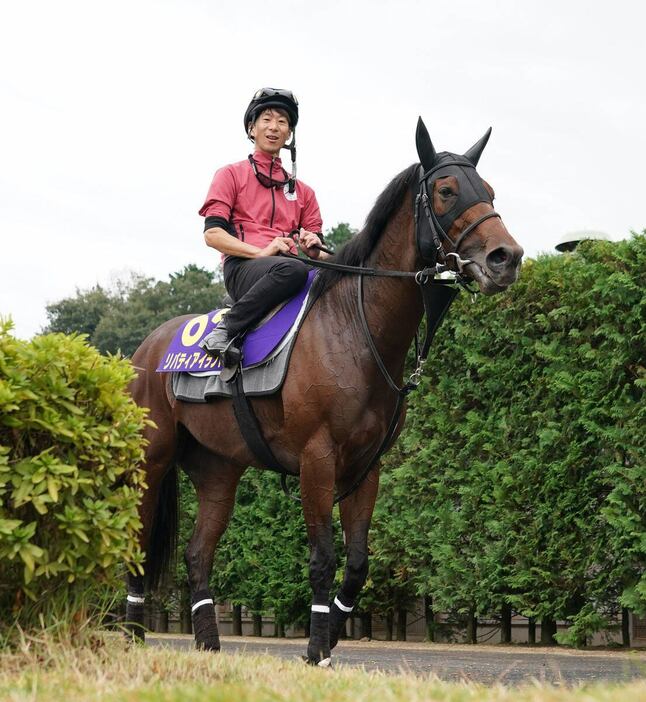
<point>162,546</point>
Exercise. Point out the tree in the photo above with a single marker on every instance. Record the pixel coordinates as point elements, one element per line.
<point>120,319</point>
<point>337,236</point>
<point>80,314</point>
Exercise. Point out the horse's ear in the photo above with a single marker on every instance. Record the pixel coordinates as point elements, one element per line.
<point>474,153</point>
<point>425,149</point>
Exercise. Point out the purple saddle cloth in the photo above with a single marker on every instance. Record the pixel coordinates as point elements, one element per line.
<point>184,354</point>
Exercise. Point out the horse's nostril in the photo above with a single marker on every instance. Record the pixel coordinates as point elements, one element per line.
<point>499,258</point>
<point>504,260</point>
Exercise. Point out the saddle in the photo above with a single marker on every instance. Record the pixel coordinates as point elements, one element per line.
<point>265,352</point>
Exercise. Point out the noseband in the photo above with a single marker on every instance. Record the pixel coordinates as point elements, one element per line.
<point>431,231</point>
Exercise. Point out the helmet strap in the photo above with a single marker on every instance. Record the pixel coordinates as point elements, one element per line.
<point>292,150</point>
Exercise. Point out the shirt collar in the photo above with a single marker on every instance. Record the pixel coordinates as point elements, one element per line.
<point>264,159</point>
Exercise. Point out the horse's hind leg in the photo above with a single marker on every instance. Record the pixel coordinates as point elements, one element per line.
<point>215,482</point>
<point>356,514</point>
<point>160,454</point>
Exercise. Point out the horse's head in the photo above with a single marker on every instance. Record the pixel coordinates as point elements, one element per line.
<point>456,219</point>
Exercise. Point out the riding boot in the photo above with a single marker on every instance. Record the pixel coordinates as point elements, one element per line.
<point>219,345</point>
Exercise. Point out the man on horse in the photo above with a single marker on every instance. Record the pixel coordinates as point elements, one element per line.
<point>253,212</point>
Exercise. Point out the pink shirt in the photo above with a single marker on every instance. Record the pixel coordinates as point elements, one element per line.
<point>257,213</point>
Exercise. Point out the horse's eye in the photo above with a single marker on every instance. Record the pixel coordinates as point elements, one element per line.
<point>446,192</point>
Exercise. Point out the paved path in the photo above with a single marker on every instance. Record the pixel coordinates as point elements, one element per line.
<point>509,665</point>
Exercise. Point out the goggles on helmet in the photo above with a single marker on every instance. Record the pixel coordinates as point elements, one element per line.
<point>271,92</point>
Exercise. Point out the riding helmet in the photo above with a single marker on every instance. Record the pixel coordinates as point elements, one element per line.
<point>271,97</point>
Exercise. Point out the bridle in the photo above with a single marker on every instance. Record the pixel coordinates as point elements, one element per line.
<point>433,251</point>
<point>431,230</point>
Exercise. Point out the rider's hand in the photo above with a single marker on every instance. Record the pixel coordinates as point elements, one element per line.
<point>281,244</point>
<point>309,243</point>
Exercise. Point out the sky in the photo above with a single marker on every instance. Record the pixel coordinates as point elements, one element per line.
<point>114,117</point>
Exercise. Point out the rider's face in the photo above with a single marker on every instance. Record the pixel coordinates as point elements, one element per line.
<point>271,131</point>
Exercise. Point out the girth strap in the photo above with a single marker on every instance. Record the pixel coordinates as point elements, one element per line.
<point>251,430</point>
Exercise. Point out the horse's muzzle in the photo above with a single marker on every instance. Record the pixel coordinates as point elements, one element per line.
<point>498,270</point>
<point>503,264</point>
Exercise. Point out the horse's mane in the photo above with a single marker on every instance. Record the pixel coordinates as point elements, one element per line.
<point>359,248</point>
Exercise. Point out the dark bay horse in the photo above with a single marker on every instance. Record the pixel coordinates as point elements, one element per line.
<point>334,408</point>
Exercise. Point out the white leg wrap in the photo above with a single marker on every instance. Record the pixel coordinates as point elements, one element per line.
<point>341,606</point>
<point>199,604</point>
<point>135,599</point>
<point>325,663</point>
<point>323,609</point>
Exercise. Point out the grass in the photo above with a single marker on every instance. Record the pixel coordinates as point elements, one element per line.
<point>42,669</point>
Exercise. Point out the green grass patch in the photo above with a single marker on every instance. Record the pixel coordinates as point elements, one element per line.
<point>45,670</point>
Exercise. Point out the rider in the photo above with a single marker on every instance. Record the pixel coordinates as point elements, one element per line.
<point>252,210</point>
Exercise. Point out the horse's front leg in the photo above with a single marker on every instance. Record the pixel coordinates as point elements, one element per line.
<point>356,514</point>
<point>215,483</point>
<point>317,494</point>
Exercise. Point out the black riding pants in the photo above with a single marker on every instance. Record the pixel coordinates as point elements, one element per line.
<point>257,285</point>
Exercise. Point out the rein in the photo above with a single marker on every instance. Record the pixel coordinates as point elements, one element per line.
<point>382,272</point>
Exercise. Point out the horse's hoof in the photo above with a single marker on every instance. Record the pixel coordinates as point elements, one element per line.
<point>325,663</point>
<point>134,635</point>
<point>212,646</point>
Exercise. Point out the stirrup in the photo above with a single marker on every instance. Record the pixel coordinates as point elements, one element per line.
<point>231,360</point>
<point>231,355</point>
<point>228,373</point>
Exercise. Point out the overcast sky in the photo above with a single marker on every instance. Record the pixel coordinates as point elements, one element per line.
<point>116,114</point>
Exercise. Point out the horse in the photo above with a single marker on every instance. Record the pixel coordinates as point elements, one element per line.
<point>336,403</point>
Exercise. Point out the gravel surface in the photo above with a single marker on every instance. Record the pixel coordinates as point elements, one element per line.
<point>509,665</point>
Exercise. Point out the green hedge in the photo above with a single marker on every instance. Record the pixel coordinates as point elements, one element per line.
<point>523,479</point>
<point>70,485</point>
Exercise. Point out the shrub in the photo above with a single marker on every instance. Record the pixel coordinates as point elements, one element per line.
<point>70,485</point>
<point>522,479</point>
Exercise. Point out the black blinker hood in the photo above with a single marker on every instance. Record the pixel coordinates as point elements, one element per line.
<point>471,187</point>
<point>471,192</point>
<point>432,230</point>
